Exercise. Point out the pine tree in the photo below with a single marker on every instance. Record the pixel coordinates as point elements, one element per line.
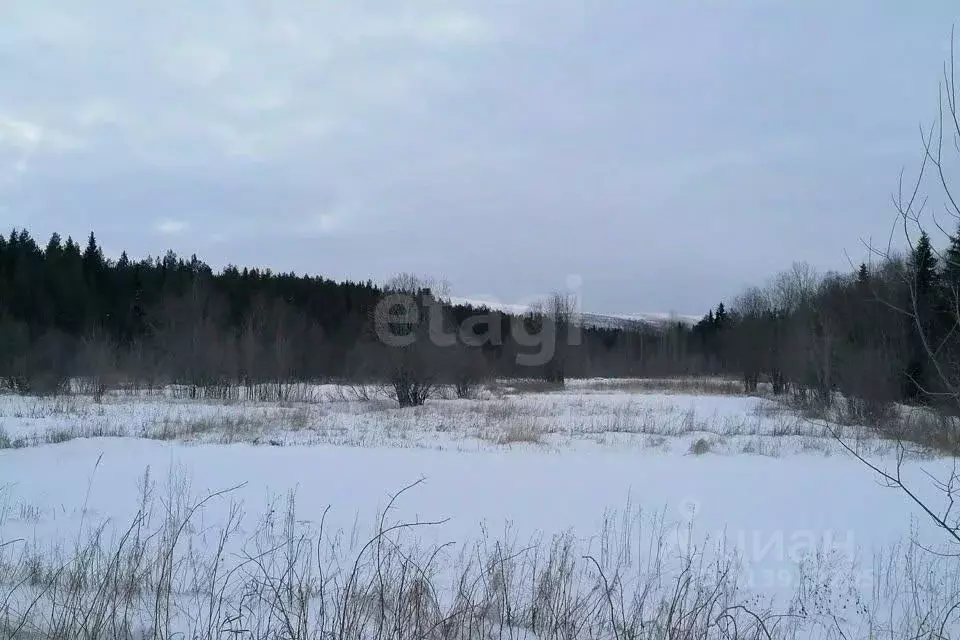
<point>720,318</point>
<point>92,257</point>
<point>924,331</point>
<point>54,247</point>
<point>923,264</point>
<point>951,265</point>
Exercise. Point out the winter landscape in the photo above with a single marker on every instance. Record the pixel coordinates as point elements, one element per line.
<point>560,320</point>
<point>609,507</point>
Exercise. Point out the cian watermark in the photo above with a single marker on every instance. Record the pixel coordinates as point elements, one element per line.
<point>771,557</point>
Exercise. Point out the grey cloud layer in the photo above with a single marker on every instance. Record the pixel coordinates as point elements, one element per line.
<point>667,152</point>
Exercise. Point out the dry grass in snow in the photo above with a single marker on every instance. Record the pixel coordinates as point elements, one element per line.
<point>744,519</point>
<point>589,415</point>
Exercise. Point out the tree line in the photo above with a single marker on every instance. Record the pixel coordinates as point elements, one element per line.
<point>881,334</point>
<point>69,312</point>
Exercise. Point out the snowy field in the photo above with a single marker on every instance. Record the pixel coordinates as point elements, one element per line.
<point>641,488</point>
<point>589,415</point>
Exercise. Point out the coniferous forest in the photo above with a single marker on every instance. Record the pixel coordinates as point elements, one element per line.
<point>67,312</point>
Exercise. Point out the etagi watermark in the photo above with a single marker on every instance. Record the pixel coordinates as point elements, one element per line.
<point>548,324</point>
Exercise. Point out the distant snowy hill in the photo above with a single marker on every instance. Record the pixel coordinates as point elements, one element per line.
<point>592,319</point>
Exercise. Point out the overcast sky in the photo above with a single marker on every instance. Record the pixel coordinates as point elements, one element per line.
<point>667,153</point>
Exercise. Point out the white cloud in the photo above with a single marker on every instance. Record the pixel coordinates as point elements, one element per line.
<point>171,227</point>
<point>97,112</point>
<point>23,143</point>
<point>199,63</point>
<point>264,100</point>
<point>446,28</point>
<point>20,133</point>
<point>191,83</point>
<point>40,25</point>
<point>29,136</point>
<point>326,223</point>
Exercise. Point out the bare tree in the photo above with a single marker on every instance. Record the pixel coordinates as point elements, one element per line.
<point>186,329</point>
<point>790,290</point>
<point>935,325</point>
<point>40,366</point>
<point>750,345</point>
<point>97,366</point>
<point>817,323</point>
<point>468,369</point>
<point>553,327</point>
<point>282,326</point>
<point>935,342</point>
<point>408,348</point>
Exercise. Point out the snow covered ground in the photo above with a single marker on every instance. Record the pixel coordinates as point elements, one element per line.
<point>619,468</point>
<point>588,416</point>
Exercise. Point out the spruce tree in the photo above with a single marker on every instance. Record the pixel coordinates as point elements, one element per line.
<point>923,264</point>
<point>92,257</point>
<point>923,329</point>
<point>720,318</point>
<point>54,246</point>
<point>951,264</point>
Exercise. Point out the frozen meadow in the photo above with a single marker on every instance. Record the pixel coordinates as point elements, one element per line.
<point>616,509</point>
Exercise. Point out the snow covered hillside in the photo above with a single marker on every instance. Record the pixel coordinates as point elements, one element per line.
<point>592,319</point>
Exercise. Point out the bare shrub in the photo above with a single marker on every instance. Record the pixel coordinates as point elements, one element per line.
<point>300,393</point>
<point>700,446</point>
<point>679,385</point>
<point>281,578</point>
<point>811,406</point>
<point>286,581</point>
<point>521,432</point>
<point>97,367</point>
<point>528,385</point>
<point>468,371</point>
<point>40,383</point>
<point>401,356</point>
<point>58,436</point>
<point>874,412</point>
<point>927,428</point>
<point>355,391</point>
<point>411,385</point>
<point>403,350</point>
